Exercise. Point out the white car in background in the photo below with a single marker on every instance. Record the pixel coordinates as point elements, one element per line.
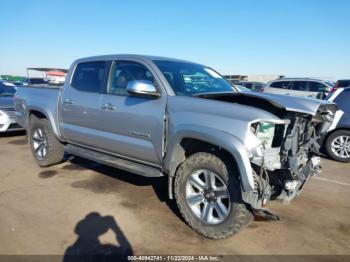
<point>7,110</point>
<point>304,87</point>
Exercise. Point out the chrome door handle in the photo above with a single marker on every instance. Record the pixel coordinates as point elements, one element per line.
<point>68,101</point>
<point>108,106</point>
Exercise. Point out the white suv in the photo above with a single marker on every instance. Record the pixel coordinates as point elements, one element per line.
<point>305,87</point>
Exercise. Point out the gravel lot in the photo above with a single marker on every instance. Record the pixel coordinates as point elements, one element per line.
<point>47,211</point>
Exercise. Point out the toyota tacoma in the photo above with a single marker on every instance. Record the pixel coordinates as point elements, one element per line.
<point>226,153</point>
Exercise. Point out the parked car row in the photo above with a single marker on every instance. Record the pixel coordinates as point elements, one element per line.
<point>304,87</point>
<point>7,111</point>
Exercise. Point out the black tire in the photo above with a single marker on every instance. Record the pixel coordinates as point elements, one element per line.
<point>328,145</point>
<point>238,217</point>
<point>55,150</point>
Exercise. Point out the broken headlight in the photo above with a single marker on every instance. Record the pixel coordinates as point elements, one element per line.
<point>266,133</point>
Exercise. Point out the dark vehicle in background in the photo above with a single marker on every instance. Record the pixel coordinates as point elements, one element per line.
<point>252,85</point>
<point>304,87</point>
<point>341,84</point>
<point>7,111</point>
<point>37,81</point>
<point>337,140</point>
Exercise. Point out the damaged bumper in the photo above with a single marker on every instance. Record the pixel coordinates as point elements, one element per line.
<point>284,155</point>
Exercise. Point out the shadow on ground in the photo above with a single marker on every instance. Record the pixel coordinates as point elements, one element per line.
<point>159,184</point>
<point>88,246</point>
<point>12,134</point>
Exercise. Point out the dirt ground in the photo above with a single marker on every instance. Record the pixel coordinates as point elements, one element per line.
<point>56,210</point>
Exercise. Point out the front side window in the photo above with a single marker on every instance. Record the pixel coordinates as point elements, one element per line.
<point>122,72</point>
<point>317,87</point>
<point>190,79</point>
<point>89,77</point>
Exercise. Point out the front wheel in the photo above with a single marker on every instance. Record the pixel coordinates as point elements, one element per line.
<point>46,149</point>
<point>208,196</point>
<point>338,145</point>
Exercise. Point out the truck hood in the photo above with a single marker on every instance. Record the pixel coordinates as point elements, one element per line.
<point>6,102</point>
<point>270,102</point>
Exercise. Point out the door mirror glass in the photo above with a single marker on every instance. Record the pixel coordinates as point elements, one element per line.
<point>142,88</point>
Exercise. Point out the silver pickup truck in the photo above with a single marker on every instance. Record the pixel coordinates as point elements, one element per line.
<point>226,153</point>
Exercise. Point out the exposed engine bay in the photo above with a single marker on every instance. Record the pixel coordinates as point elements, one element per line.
<point>283,154</point>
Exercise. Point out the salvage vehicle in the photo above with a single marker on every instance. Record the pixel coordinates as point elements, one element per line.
<point>337,140</point>
<point>225,153</point>
<point>7,110</point>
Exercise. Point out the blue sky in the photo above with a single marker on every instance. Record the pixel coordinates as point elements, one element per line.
<point>289,37</point>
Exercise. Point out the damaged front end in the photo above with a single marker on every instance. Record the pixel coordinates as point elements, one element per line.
<point>284,154</point>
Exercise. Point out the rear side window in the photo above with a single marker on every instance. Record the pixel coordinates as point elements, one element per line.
<point>89,77</point>
<point>280,84</point>
<point>299,85</point>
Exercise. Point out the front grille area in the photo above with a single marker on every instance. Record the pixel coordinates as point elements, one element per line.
<point>10,112</point>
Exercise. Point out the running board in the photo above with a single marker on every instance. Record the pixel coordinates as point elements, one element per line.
<point>113,161</point>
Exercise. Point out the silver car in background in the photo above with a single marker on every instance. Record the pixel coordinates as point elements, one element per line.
<point>7,111</point>
<point>304,87</point>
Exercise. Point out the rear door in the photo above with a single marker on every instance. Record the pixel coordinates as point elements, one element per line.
<point>133,125</point>
<point>80,111</point>
<point>278,87</point>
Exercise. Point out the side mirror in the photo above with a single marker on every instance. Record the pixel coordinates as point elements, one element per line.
<point>142,88</point>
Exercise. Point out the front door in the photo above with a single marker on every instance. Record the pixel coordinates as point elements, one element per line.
<point>133,125</point>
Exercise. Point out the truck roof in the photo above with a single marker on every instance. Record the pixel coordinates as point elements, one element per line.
<point>130,56</point>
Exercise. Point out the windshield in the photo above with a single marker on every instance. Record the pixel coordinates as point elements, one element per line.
<point>189,79</point>
<point>7,90</point>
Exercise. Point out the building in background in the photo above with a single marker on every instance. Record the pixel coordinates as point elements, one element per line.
<point>253,78</point>
<point>56,77</point>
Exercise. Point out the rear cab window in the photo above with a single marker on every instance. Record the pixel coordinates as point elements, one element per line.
<point>89,76</point>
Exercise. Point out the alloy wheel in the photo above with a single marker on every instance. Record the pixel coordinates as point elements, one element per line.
<point>208,196</point>
<point>341,146</point>
<point>40,144</point>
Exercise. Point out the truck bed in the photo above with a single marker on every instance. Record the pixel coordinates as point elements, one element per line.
<point>43,98</point>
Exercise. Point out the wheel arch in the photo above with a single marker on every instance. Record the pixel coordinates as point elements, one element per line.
<point>42,114</point>
<point>347,128</point>
<point>186,143</point>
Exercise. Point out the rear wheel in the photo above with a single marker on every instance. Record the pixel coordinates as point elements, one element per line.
<point>208,195</point>
<point>338,145</point>
<point>46,149</point>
